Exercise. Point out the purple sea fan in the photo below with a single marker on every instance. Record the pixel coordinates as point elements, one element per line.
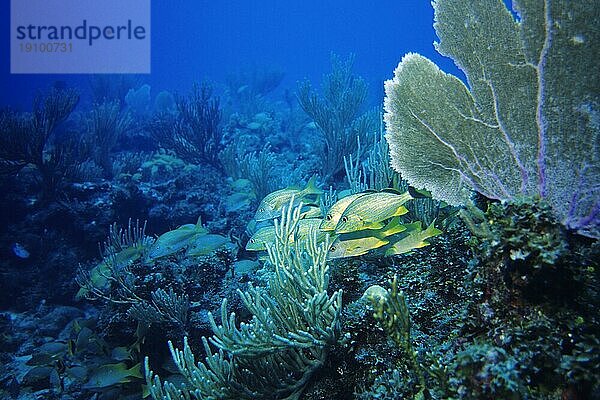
<point>527,124</point>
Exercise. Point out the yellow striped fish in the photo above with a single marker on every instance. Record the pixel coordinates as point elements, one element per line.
<point>369,211</point>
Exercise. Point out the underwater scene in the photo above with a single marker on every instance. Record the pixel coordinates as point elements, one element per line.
<point>300,200</point>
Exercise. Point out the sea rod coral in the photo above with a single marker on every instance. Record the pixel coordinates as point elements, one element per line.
<point>273,356</point>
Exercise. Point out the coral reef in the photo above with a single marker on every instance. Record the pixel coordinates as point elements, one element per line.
<point>238,261</point>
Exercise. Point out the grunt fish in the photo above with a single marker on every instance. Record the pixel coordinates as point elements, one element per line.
<point>172,241</point>
<point>369,211</point>
<point>335,211</point>
<point>361,242</point>
<point>270,206</point>
<point>414,240</point>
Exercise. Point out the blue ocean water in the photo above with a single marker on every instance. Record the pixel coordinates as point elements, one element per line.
<point>205,40</point>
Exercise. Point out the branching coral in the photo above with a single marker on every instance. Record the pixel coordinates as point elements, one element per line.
<point>293,325</point>
<point>165,306</point>
<point>106,127</point>
<point>194,133</point>
<point>528,123</point>
<point>260,168</point>
<point>122,247</point>
<point>26,138</point>
<point>337,114</point>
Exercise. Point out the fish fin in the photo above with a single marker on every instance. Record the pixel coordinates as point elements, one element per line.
<point>145,391</point>
<point>382,242</point>
<point>400,211</point>
<point>407,194</point>
<point>431,231</point>
<point>199,223</point>
<point>404,245</point>
<point>374,225</point>
<point>311,187</point>
<point>415,226</point>
<point>392,251</point>
<point>422,244</point>
<point>355,251</point>
<point>392,227</point>
<point>360,253</point>
<point>136,371</point>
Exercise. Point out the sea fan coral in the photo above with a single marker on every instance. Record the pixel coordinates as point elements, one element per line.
<point>528,122</point>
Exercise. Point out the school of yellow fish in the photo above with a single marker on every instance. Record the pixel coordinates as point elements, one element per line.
<point>355,225</point>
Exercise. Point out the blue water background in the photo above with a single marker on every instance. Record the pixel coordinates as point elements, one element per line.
<point>196,41</point>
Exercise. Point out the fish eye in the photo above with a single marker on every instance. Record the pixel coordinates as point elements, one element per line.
<point>252,240</point>
<point>332,248</point>
<point>328,217</point>
<point>261,209</point>
<point>344,219</point>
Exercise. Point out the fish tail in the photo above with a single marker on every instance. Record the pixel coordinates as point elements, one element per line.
<point>431,231</point>
<point>415,226</point>
<point>135,371</point>
<point>311,187</point>
<point>393,227</point>
<point>374,225</point>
